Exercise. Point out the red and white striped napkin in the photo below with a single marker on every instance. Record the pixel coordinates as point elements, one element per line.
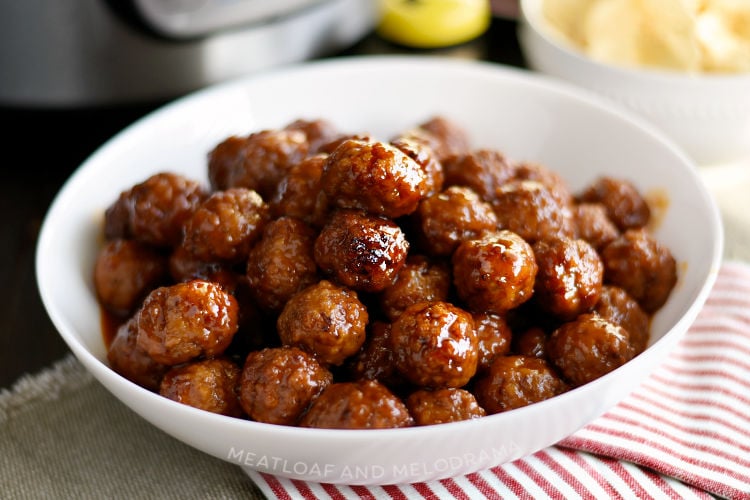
<point>685,433</point>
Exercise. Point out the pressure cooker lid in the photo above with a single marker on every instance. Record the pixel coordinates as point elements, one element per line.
<point>191,18</point>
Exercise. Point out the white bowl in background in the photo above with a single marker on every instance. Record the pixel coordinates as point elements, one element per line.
<point>526,116</point>
<point>708,115</point>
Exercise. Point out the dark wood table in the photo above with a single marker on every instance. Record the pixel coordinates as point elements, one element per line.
<point>43,147</point>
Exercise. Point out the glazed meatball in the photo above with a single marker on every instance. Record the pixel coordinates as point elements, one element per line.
<point>209,385</point>
<point>225,225</point>
<point>153,211</point>
<point>517,381</point>
<point>616,306</point>
<point>530,342</point>
<point>117,218</point>
<point>444,220</point>
<point>226,162</point>
<point>331,146</point>
<point>588,347</point>
<point>435,345</point>
<point>363,404</point>
<point>317,132</point>
<point>125,272</point>
<point>642,266</point>
<point>569,277</point>
<point>447,137</point>
<point>299,194</point>
<point>484,171</point>
<point>361,251</point>
<point>326,320</point>
<point>256,162</point>
<point>373,176</point>
<point>442,406</point>
<point>493,338</point>
<point>278,384</point>
<point>180,322</point>
<point>184,266</point>
<point>624,204</point>
<point>420,279</point>
<point>495,273</point>
<point>555,184</point>
<point>593,224</point>
<point>426,158</point>
<point>532,211</point>
<point>375,360</point>
<point>134,364</point>
<point>282,262</point>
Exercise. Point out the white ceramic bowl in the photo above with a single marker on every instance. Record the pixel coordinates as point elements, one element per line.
<point>708,115</point>
<point>524,115</point>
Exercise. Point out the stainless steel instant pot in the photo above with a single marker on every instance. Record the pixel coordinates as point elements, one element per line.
<point>65,53</point>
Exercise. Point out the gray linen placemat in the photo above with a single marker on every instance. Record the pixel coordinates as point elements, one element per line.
<point>63,435</point>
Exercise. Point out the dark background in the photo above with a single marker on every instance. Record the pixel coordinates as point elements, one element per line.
<point>42,148</point>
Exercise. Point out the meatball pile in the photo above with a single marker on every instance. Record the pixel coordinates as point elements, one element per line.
<point>336,280</point>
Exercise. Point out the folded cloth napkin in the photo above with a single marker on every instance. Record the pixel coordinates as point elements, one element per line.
<point>684,433</point>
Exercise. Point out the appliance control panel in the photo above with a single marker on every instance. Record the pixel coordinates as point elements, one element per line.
<point>190,18</point>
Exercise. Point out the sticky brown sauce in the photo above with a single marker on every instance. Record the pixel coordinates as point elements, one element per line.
<point>658,201</point>
<point>109,326</point>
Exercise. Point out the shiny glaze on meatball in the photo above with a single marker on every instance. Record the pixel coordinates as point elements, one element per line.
<point>531,210</point>
<point>209,385</point>
<point>588,347</point>
<point>420,279</point>
<point>569,277</point>
<point>180,322</point>
<point>361,251</point>
<point>484,171</point>
<point>326,320</point>
<point>125,272</point>
<point>256,162</point>
<point>445,220</point>
<point>375,359</point>
<point>373,176</point>
<point>435,345</point>
<point>126,358</point>
<point>494,338</point>
<point>616,306</point>
<point>154,210</point>
<point>517,381</point>
<point>594,225</point>
<point>278,384</point>
<point>621,199</point>
<point>363,404</point>
<point>442,406</point>
<point>643,267</point>
<point>299,194</point>
<point>426,158</point>
<point>495,273</point>
<point>225,225</point>
<point>281,263</point>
